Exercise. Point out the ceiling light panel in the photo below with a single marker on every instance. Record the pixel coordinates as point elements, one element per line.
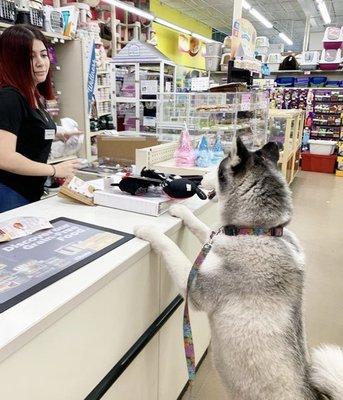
<point>261,18</point>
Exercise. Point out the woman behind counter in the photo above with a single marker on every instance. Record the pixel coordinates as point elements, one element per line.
<point>26,129</point>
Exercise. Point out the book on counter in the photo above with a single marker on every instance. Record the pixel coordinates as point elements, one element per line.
<point>143,204</point>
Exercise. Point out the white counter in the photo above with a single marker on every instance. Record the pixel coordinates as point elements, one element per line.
<point>22,325</point>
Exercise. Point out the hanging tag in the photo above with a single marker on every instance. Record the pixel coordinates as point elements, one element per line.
<point>50,134</point>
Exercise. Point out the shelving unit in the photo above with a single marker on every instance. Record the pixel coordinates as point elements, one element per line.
<point>140,73</point>
<point>71,81</point>
<point>327,114</point>
<point>56,37</point>
<point>286,128</point>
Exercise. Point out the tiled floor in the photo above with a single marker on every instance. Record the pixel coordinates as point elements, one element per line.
<point>318,223</point>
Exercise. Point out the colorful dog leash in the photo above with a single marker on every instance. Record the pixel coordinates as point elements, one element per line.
<point>187,329</point>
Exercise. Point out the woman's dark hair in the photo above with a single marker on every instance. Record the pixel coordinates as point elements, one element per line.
<point>288,64</point>
<point>15,62</point>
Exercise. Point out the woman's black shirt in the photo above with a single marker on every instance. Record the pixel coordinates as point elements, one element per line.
<point>33,128</point>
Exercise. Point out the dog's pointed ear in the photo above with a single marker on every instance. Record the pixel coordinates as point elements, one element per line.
<point>270,151</point>
<point>239,155</point>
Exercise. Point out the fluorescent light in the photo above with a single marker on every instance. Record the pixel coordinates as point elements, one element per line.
<point>172,26</point>
<point>324,12</point>
<point>202,38</point>
<point>260,18</point>
<point>131,9</point>
<point>246,5</point>
<point>286,39</point>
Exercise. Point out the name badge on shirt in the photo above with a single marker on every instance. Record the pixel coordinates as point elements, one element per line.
<point>50,134</point>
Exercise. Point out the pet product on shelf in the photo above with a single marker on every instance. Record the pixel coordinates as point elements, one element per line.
<point>309,60</point>
<point>212,63</point>
<point>274,61</point>
<point>333,37</point>
<point>262,45</point>
<point>53,20</point>
<point>322,147</point>
<point>184,154</point>
<point>203,155</point>
<point>8,11</point>
<point>224,64</point>
<point>213,49</point>
<point>217,151</point>
<point>330,59</point>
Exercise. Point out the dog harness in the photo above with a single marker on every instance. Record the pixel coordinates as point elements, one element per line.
<point>187,329</point>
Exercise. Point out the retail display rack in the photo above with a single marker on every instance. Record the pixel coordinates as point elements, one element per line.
<point>226,114</point>
<point>140,72</point>
<point>326,113</point>
<point>286,128</point>
<point>54,37</point>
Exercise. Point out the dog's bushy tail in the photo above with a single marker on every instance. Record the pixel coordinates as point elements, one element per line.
<point>327,371</point>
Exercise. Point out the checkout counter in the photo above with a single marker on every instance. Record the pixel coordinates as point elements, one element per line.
<point>113,328</point>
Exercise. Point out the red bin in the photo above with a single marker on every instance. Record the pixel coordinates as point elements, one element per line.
<point>318,162</point>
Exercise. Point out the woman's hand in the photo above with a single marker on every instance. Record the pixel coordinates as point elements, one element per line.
<point>67,169</point>
<point>64,135</point>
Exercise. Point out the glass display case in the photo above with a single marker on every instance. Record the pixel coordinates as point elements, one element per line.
<point>227,114</point>
<point>286,128</point>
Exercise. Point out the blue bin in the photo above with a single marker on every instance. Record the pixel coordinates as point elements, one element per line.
<point>285,81</point>
<point>318,81</point>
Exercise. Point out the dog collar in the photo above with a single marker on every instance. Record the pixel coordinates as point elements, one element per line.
<point>230,230</point>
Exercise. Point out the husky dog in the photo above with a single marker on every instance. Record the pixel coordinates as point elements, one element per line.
<point>251,287</point>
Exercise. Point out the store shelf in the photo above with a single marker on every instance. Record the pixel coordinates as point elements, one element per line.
<point>102,72</point>
<point>50,35</point>
<point>103,86</point>
<point>103,101</point>
<point>61,159</point>
<point>134,100</point>
<point>301,72</point>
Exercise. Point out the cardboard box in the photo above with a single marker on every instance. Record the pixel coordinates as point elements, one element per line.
<point>122,150</point>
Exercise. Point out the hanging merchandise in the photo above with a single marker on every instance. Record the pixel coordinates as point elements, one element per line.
<point>184,154</point>
<point>203,154</point>
<point>217,151</point>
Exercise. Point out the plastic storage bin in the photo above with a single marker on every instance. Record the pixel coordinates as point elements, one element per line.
<point>262,45</point>
<point>323,147</point>
<point>317,81</point>
<point>285,81</point>
<point>274,61</point>
<point>212,63</point>
<point>262,41</point>
<point>213,49</point>
<point>318,163</point>
<point>309,60</point>
<point>224,64</point>
<point>330,59</point>
<point>302,82</point>
<point>333,37</point>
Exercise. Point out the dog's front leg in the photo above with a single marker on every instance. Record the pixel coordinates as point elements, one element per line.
<point>198,228</point>
<point>176,262</point>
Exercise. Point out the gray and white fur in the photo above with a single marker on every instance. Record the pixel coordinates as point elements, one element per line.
<point>251,287</point>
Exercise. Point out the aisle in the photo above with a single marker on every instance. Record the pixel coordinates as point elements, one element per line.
<point>318,223</point>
